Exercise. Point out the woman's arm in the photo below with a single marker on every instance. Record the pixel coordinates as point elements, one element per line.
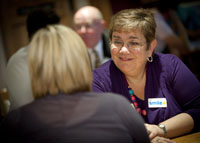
<point>175,126</point>
<point>185,89</point>
<point>178,125</point>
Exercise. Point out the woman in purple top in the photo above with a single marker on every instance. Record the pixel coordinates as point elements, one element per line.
<point>160,87</point>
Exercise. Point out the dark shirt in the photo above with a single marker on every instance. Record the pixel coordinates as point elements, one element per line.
<point>78,118</point>
<point>106,45</point>
<point>166,77</point>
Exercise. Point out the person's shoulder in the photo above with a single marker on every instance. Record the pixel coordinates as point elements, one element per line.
<point>165,58</point>
<point>107,74</point>
<point>19,55</point>
<point>166,63</point>
<point>114,97</point>
<point>116,102</point>
<point>104,67</point>
<point>18,62</point>
<point>21,52</point>
<point>106,70</point>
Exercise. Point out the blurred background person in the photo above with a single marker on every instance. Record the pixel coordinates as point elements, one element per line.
<point>181,44</point>
<point>172,19</point>
<point>65,110</point>
<point>189,14</point>
<point>170,32</point>
<point>161,88</point>
<point>17,74</point>
<point>90,25</point>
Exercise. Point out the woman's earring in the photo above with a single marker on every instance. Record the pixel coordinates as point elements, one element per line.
<point>150,59</point>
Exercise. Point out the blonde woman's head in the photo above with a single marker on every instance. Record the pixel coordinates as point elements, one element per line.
<point>58,62</point>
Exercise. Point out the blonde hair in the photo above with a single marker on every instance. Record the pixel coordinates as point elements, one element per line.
<point>131,19</point>
<point>58,62</point>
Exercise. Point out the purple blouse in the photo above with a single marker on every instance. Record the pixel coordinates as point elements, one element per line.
<point>167,77</point>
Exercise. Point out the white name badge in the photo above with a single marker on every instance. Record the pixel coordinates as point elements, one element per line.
<point>157,102</point>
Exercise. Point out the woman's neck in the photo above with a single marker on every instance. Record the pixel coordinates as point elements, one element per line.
<point>136,78</point>
<point>137,84</point>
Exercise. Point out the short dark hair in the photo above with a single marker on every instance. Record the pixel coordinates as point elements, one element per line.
<point>40,18</point>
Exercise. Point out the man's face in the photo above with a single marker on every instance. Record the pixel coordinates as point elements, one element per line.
<point>89,28</point>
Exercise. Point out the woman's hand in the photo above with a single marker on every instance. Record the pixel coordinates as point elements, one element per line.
<point>154,131</point>
<point>161,140</point>
<point>156,134</point>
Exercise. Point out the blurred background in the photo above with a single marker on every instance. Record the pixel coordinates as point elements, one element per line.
<point>13,13</point>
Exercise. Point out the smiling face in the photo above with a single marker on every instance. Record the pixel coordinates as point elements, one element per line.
<point>129,51</point>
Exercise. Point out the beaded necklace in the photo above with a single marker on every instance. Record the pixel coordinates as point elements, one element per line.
<point>134,101</point>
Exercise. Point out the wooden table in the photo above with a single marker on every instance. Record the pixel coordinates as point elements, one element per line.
<point>191,138</point>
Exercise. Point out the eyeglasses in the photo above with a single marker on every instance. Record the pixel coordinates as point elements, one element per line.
<point>129,44</point>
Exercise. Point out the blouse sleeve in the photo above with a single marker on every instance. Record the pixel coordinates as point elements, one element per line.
<point>99,83</point>
<point>186,88</point>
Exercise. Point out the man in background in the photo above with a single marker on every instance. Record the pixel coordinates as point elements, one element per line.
<point>17,73</point>
<point>90,25</point>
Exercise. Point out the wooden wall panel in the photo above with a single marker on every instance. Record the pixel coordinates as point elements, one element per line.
<point>105,7</point>
<point>13,14</point>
